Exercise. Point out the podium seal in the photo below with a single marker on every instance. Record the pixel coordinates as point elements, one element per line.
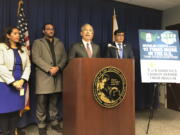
<point>109,87</point>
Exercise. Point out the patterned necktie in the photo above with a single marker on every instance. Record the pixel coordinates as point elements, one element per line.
<point>120,50</point>
<point>88,50</point>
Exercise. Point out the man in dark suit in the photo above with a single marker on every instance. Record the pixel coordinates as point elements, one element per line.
<point>119,49</point>
<point>85,48</point>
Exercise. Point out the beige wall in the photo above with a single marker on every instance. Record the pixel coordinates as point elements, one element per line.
<point>171,16</point>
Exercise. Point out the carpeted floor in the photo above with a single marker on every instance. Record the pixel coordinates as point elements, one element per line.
<point>165,122</point>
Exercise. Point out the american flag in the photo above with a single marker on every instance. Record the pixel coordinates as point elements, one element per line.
<point>22,25</point>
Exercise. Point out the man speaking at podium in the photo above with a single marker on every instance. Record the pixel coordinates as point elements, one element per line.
<point>85,48</point>
<point>118,49</point>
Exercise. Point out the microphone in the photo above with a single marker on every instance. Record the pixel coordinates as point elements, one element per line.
<point>111,46</point>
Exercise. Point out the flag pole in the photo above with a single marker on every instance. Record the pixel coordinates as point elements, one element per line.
<point>24,38</point>
<point>19,5</point>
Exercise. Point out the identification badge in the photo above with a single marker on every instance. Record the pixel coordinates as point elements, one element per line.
<point>22,92</point>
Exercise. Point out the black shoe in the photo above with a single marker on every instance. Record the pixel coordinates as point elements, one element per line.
<point>57,128</point>
<point>42,131</point>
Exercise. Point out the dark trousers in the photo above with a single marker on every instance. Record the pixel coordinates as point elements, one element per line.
<point>8,123</point>
<point>47,103</point>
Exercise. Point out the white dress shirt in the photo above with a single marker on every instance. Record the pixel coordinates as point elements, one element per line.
<point>85,45</point>
<point>120,49</point>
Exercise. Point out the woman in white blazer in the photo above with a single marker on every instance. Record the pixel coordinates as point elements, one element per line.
<point>14,73</point>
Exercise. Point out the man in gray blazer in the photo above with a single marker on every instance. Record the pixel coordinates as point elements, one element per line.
<point>85,48</point>
<point>49,57</point>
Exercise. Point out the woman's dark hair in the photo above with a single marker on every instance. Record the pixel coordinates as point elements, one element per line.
<point>4,39</point>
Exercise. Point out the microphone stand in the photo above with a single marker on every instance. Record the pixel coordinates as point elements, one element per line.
<point>117,50</point>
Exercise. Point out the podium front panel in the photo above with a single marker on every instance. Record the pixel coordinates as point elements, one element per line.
<point>82,114</point>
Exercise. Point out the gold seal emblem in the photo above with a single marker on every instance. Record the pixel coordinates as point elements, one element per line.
<point>109,87</point>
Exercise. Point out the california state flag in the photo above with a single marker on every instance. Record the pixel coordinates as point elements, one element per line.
<point>114,24</point>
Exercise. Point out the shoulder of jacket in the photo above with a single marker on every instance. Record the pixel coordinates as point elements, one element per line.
<point>38,41</point>
<point>3,46</point>
<point>77,44</point>
<point>94,44</point>
<point>126,45</point>
<point>57,40</point>
<point>74,44</point>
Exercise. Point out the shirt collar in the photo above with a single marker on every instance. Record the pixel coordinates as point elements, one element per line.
<point>118,43</point>
<point>85,42</point>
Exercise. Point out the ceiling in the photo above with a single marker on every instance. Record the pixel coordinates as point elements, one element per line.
<point>156,4</point>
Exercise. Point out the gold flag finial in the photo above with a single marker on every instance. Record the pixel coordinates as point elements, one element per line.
<point>19,5</point>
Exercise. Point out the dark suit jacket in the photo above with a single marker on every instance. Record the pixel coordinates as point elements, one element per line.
<point>78,50</point>
<point>127,51</point>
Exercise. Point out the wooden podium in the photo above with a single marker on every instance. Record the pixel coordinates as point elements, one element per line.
<point>82,115</point>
